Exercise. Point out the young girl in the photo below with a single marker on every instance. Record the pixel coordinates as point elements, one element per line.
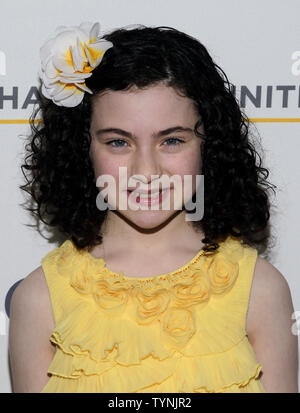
<point>139,299</point>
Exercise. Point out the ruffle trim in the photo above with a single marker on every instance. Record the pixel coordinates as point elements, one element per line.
<point>84,331</point>
<point>183,317</point>
<point>213,373</point>
<point>171,299</point>
<point>221,266</point>
<point>159,333</point>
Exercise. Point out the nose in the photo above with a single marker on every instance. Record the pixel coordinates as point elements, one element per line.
<point>145,163</point>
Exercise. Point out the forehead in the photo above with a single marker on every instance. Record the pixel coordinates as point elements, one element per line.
<point>158,103</point>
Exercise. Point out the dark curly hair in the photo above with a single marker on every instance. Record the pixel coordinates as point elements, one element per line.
<point>60,177</point>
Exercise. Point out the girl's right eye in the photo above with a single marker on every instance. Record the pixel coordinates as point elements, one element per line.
<point>115,140</point>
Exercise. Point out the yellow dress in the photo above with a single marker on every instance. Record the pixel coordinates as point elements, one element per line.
<point>180,332</point>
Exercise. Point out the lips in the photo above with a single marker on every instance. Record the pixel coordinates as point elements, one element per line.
<point>146,194</point>
<point>144,199</point>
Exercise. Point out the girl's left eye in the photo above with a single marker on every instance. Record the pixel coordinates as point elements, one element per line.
<point>114,141</point>
<point>180,141</point>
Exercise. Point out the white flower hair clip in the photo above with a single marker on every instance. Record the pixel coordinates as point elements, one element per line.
<point>67,59</point>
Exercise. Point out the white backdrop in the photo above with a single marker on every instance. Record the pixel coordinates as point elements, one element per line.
<point>254,42</point>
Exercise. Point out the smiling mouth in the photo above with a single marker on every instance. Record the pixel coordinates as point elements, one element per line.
<point>148,194</point>
<point>148,198</point>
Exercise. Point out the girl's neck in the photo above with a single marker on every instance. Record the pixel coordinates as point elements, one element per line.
<point>119,235</point>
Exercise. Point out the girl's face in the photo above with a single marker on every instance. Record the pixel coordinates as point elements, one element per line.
<point>138,144</point>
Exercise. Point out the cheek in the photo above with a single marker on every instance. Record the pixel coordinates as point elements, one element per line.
<point>103,164</point>
<point>190,167</point>
<point>188,164</point>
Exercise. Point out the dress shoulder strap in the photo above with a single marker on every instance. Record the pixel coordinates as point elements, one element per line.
<point>247,268</point>
<point>55,265</point>
<point>233,269</point>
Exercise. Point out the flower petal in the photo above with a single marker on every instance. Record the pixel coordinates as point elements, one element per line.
<point>86,27</point>
<point>65,62</point>
<point>78,56</point>
<point>95,30</point>
<point>50,70</point>
<point>84,87</point>
<point>71,79</point>
<point>78,64</point>
<point>45,92</point>
<point>96,51</point>
<point>68,38</point>
<point>57,87</point>
<point>74,76</point>
<point>45,51</point>
<point>71,101</point>
<point>94,54</point>
<point>66,92</point>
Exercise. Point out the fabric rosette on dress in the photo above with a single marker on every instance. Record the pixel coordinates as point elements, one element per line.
<point>151,304</point>
<point>222,274</point>
<point>170,301</point>
<point>167,333</point>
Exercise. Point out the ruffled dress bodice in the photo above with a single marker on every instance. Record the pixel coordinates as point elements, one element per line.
<point>180,332</point>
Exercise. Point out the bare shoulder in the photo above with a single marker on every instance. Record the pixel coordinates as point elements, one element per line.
<point>270,329</point>
<point>269,286</point>
<point>33,291</point>
<point>34,280</point>
<point>30,327</point>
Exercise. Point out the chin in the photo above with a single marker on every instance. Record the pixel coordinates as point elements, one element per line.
<point>148,219</point>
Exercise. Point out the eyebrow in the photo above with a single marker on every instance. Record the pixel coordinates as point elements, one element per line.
<point>159,134</point>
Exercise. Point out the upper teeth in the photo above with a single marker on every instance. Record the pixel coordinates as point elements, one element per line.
<point>149,196</point>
